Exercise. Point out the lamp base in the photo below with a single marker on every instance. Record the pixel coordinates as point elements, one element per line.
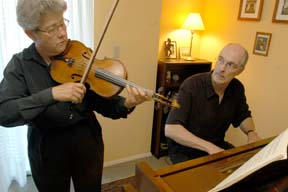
<point>190,58</point>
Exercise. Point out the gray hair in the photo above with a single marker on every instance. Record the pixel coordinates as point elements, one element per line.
<point>245,58</point>
<point>29,12</point>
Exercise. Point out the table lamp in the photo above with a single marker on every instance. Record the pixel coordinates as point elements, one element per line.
<point>193,23</point>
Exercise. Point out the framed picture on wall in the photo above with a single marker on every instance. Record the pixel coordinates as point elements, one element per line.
<point>262,43</point>
<point>170,48</point>
<point>250,10</point>
<point>280,14</point>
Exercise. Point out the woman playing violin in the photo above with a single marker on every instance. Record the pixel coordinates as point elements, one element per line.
<point>64,136</point>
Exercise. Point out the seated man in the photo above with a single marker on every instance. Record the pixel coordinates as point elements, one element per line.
<point>210,102</point>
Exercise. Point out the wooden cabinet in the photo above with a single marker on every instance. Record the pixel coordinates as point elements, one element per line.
<point>170,74</point>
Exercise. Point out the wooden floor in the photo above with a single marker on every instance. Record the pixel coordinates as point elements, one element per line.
<point>114,177</point>
<point>114,186</point>
<point>117,186</point>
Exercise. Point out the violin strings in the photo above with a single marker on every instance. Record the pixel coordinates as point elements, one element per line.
<point>106,75</point>
<point>81,65</point>
<point>116,79</point>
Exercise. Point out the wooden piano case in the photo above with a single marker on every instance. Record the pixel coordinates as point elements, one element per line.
<point>202,174</point>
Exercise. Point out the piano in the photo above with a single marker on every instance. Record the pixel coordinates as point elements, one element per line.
<point>204,173</point>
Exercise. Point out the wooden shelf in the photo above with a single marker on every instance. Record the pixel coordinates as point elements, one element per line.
<point>170,74</point>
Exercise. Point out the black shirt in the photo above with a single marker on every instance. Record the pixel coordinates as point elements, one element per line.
<point>26,97</point>
<point>201,113</point>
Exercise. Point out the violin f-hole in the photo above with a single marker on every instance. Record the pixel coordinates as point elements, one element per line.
<point>86,55</point>
<point>76,76</point>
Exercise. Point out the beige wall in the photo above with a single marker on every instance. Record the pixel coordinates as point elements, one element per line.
<point>133,38</point>
<point>264,77</point>
<point>173,16</point>
<point>134,35</point>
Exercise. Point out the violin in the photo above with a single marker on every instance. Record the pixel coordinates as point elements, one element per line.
<point>106,77</point>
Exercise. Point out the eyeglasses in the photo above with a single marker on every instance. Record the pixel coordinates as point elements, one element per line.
<point>230,65</point>
<point>53,30</point>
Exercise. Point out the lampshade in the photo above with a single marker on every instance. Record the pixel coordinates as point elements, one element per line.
<point>193,22</point>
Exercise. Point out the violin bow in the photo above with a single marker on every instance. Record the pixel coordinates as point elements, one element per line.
<point>92,58</point>
<point>156,97</point>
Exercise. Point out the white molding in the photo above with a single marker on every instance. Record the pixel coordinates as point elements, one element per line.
<point>127,159</point>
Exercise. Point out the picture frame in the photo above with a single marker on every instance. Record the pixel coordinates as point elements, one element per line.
<point>250,10</point>
<point>170,49</point>
<point>184,52</point>
<point>280,13</point>
<point>262,43</point>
